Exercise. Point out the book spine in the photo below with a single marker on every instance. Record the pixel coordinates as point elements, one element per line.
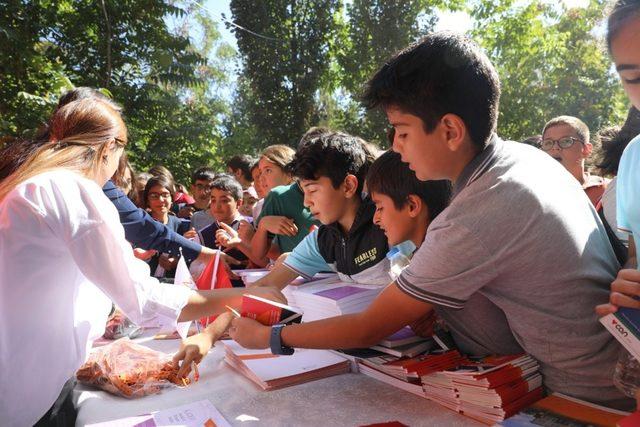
<point>623,333</point>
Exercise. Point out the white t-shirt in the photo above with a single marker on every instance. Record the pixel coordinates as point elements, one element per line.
<point>63,259</point>
<point>609,207</point>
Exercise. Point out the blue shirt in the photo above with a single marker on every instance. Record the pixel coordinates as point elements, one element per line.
<point>144,232</point>
<point>628,190</point>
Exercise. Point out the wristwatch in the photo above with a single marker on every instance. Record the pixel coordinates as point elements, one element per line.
<point>275,342</point>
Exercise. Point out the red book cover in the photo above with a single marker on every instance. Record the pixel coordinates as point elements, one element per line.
<point>512,391</point>
<point>423,365</point>
<point>632,420</point>
<point>268,312</point>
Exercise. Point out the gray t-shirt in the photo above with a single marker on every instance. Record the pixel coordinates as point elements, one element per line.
<point>521,232</point>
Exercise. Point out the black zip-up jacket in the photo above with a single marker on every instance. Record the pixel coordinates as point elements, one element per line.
<point>361,255</point>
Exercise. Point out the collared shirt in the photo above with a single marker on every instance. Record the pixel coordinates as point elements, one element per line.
<point>595,187</point>
<point>64,260</point>
<point>521,232</point>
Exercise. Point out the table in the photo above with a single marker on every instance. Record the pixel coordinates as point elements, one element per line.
<point>343,400</point>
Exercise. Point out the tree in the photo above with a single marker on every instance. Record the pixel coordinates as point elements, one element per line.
<point>31,79</point>
<point>163,79</point>
<point>549,63</point>
<point>374,31</point>
<point>284,58</point>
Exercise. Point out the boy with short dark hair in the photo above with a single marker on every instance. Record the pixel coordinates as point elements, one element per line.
<point>201,181</point>
<point>226,199</point>
<point>332,167</point>
<point>405,206</point>
<point>486,264</point>
<point>567,139</point>
<point>240,167</point>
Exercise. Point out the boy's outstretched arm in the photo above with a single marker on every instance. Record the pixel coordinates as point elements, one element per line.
<point>207,303</point>
<point>279,277</point>
<point>389,312</point>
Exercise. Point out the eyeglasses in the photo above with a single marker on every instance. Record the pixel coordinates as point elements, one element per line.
<point>566,142</point>
<point>203,187</point>
<point>157,196</point>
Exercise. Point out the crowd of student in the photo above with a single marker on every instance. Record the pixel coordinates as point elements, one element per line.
<point>514,248</point>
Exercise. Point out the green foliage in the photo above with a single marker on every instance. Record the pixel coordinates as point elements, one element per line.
<point>549,63</point>
<point>31,78</point>
<point>162,79</point>
<point>283,69</point>
<point>304,63</point>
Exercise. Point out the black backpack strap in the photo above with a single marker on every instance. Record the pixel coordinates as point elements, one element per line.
<point>621,251</point>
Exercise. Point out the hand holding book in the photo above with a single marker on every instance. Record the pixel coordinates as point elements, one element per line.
<point>253,329</point>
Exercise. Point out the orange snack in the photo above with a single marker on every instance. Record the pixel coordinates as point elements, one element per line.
<point>127,369</point>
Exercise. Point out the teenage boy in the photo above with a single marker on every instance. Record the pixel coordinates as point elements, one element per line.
<point>530,243</point>
<point>240,168</point>
<point>566,139</point>
<point>332,167</point>
<point>200,190</point>
<point>226,199</point>
<point>405,206</point>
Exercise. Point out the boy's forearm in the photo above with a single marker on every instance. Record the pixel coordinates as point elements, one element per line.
<point>260,243</point>
<point>348,331</point>
<point>278,278</point>
<point>207,303</point>
<point>219,326</point>
<point>246,249</point>
<point>389,312</point>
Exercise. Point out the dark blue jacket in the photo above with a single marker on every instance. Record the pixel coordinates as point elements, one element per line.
<point>144,232</point>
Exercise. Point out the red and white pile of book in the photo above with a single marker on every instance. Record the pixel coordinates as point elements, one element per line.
<point>488,390</point>
<point>406,372</point>
<point>272,372</point>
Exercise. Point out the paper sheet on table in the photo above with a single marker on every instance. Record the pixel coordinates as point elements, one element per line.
<point>196,414</point>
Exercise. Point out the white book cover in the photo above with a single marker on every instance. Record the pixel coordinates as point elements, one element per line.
<point>266,366</point>
<point>623,325</point>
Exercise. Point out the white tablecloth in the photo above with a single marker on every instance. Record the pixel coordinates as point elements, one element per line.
<point>344,400</point>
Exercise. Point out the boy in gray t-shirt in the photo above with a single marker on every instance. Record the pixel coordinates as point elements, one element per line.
<point>519,249</point>
<point>521,232</point>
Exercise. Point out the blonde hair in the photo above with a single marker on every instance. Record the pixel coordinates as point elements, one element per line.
<point>80,134</point>
<point>280,155</point>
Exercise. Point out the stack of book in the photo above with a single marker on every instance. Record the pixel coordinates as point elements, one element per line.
<point>404,343</point>
<point>406,372</point>
<point>488,390</point>
<point>272,372</point>
<point>330,297</point>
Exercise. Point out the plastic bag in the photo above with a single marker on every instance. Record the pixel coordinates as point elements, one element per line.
<point>131,370</point>
<point>119,326</point>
